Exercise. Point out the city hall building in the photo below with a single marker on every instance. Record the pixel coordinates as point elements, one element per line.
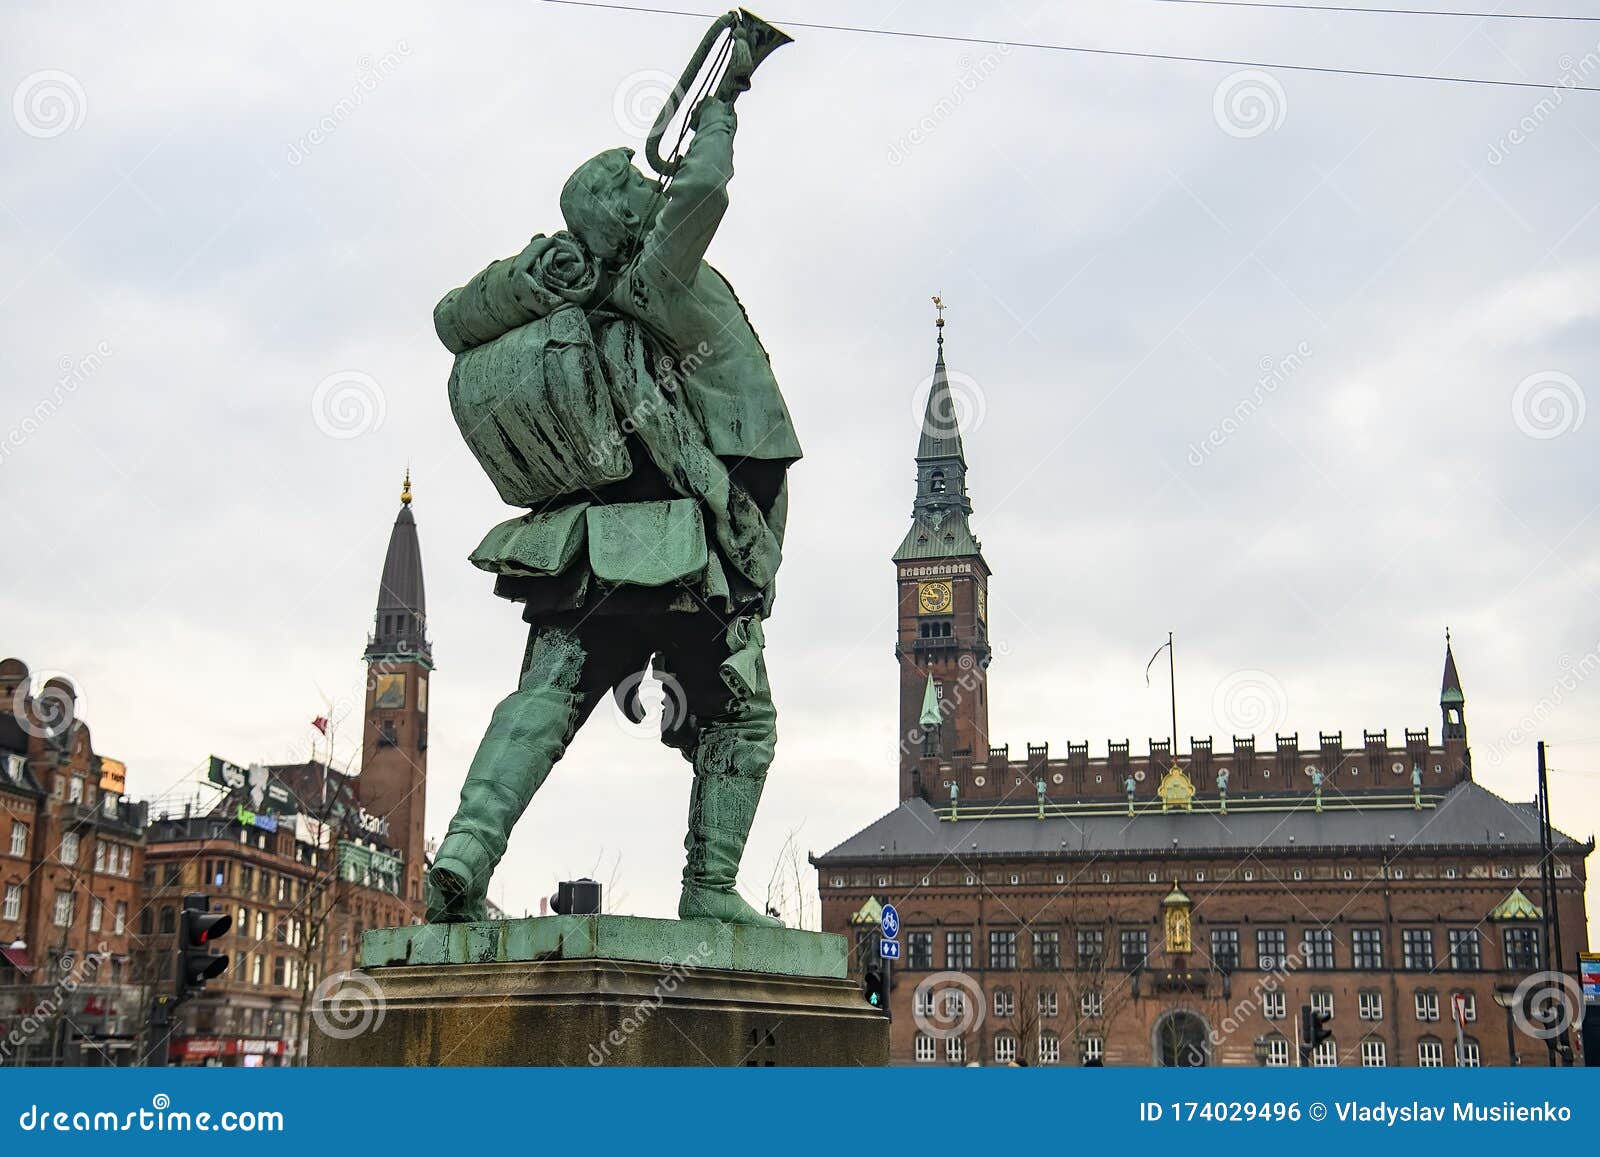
<point>1161,907</point>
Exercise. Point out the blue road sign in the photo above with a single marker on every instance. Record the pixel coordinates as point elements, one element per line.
<point>889,949</point>
<point>890,922</point>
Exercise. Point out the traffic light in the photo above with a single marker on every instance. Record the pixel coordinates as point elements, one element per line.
<point>1312,1031</point>
<point>198,928</point>
<point>875,984</point>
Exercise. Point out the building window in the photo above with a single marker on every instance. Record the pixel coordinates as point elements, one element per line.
<point>1466,950</point>
<point>1374,1053</point>
<point>919,951</point>
<point>955,1005</point>
<point>1049,1049</point>
<point>1094,1049</point>
<point>1416,946</point>
<point>257,967</point>
<point>121,924</point>
<point>1274,1005</point>
<point>1369,1004</point>
<point>99,855</point>
<point>1005,1002</point>
<point>927,1048</point>
<point>958,951</point>
<point>63,910</point>
<point>1430,1054</point>
<point>75,790</point>
<point>1277,1050</point>
<point>1467,1003</point>
<point>13,908</point>
<point>1271,948</point>
<point>1522,949</point>
<point>1427,1004</point>
<point>97,914</point>
<point>1318,948</point>
<point>1091,1004</point>
<point>1325,1055</point>
<point>1225,948</point>
<point>922,1001</point>
<point>1005,1048</point>
<point>1135,947</point>
<point>1047,950</point>
<point>955,1050</point>
<point>1003,948</point>
<point>1366,947</point>
<point>1091,947</point>
<point>1047,1002</point>
<point>1322,1001</point>
<point>19,839</point>
<point>1468,1057</point>
<point>69,847</point>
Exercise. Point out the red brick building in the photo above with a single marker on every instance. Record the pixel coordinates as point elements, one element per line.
<point>71,858</point>
<point>1181,907</point>
<point>302,856</point>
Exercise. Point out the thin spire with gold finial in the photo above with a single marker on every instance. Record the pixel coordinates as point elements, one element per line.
<point>405,489</point>
<point>938,304</point>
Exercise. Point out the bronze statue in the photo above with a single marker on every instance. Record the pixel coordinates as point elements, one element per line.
<point>608,380</point>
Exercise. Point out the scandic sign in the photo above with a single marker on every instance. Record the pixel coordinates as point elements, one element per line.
<point>196,1047</point>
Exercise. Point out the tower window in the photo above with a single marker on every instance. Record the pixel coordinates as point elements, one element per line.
<point>936,482</point>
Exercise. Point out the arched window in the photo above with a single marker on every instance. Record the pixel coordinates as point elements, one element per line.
<point>936,482</point>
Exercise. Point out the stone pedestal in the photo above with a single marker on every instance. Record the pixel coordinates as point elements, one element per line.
<point>599,990</point>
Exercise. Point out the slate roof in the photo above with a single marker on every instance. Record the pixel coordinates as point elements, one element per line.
<point>1468,816</point>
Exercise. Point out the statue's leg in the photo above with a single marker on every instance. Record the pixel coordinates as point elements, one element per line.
<point>527,734</point>
<point>730,741</point>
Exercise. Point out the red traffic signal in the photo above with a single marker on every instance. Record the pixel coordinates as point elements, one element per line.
<point>198,926</point>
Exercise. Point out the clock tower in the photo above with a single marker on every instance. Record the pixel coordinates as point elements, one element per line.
<point>942,645</point>
<point>393,784</point>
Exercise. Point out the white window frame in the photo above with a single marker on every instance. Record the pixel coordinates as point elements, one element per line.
<point>926,1049</point>
<point>1430,1054</point>
<point>97,913</point>
<point>1469,1012</point>
<point>1094,1047</point>
<point>1092,1004</point>
<point>70,846</point>
<point>955,1050</point>
<point>1005,1048</point>
<point>120,925</point>
<point>1427,1003</point>
<point>1472,1059</point>
<point>1277,1051</point>
<point>1322,1001</point>
<point>1326,1054</point>
<point>1374,1053</point>
<point>1274,1004</point>
<point>61,915</point>
<point>1369,1004</point>
<point>19,839</point>
<point>13,904</point>
<point>1048,1005</point>
<point>1049,1048</point>
<point>1005,1002</point>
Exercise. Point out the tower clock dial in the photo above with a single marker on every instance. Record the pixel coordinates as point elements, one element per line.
<point>934,598</point>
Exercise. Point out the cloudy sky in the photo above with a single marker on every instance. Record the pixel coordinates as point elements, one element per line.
<point>1295,365</point>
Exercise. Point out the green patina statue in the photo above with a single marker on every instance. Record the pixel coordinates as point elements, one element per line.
<point>608,380</point>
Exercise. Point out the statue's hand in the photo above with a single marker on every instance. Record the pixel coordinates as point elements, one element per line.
<point>740,65</point>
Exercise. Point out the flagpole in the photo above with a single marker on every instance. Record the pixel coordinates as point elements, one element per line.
<point>1172,671</point>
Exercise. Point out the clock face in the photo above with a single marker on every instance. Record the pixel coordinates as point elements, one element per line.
<point>934,598</point>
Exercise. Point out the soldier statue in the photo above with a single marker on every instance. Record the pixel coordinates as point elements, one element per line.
<point>608,380</point>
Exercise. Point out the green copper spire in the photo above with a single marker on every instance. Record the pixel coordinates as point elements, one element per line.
<point>930,706</point>
<point>939,526</point>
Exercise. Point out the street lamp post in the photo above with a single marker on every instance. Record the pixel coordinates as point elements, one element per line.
<point>1505,995</point>
<point>1262,1051</point>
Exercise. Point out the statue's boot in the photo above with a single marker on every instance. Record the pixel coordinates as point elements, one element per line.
<point>731,757</point>
<point>527,734</point>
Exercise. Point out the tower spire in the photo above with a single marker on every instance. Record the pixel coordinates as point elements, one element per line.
<point>401,620</point>
<point>1452,703</point>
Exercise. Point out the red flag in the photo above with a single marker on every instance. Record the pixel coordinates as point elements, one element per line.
<point>321,724</point>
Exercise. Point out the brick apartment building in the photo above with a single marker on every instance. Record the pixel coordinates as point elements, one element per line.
<point>304,857</point>
<point>1164,907</point>
<point>71,858</point>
